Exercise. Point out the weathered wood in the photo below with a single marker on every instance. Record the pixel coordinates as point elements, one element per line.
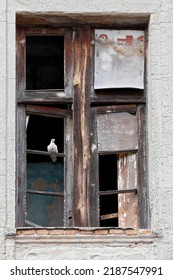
<point>68,63</point>
<point>68,172</point>
<point>46,111</point>
<point>143,195</point>
<point>117,100</point>
<point>96,19</point>
<point>109,216</point>
<point>81,83</point>
<point>36,152</point>
<point>21,44</point>
<point>94,172</point>
<point>45,193</point>
<point>117,192</point>
<point>117,131</point>
<point>35,100</point>
<point>42,95</point>
<point>127,179</point>
<point>116,109</point>
<point>21,171</point>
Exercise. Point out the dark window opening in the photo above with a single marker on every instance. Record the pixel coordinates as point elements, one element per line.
<point>44,62</point>
<point>40,131</point>
<point>45,178</point>
<point>108,182</point>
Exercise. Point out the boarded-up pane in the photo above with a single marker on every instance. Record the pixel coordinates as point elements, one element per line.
<point>117,132</point>
<point>119,59</point>
<point>47,177</point>
<point>127,179</point>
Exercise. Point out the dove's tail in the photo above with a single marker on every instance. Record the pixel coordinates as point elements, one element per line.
<point>53,158</point>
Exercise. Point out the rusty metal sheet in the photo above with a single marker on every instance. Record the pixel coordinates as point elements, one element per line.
<point>127,179</point>
<point>119,59</point>
<point>117,132</point>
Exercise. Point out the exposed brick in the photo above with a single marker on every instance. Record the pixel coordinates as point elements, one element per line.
<point>131,231</point>
<point>25,231</point>
<point>56,231</point>
<point>71,231</point>
<point>116,231</point>
<point>145,231</point>
<point>101,231</point>
<point>87,232</point>
<point>43,231</point>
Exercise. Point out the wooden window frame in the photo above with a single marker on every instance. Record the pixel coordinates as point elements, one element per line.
<point>82,194</point>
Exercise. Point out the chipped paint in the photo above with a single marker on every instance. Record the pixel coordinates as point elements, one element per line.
<point>119,59</point>
<point>93,148</point>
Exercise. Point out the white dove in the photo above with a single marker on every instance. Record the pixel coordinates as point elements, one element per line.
<point>52,150</point>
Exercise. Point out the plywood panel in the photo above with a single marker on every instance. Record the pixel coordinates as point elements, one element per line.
<point>119,59</point>
<point>117,132</point>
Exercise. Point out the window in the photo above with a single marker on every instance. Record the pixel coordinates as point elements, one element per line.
<point>98,175</point>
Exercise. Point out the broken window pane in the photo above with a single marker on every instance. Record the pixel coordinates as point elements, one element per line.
<point>45,178</point>
<point>41,130</point>
<point>44,62</point>
<point>108,182</point>
<point>45,190</point>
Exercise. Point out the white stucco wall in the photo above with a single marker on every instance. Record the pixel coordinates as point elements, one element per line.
<point>160,138</point>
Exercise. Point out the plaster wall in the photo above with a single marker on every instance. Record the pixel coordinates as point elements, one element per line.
<point>159,134</point>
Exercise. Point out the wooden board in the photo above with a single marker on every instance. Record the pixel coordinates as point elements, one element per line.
<point>117,132</point>
<point>127,179</point>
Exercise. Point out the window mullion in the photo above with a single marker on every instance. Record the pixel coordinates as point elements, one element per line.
<point>81,82</point>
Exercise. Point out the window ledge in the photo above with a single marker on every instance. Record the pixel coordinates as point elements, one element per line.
<point>86,235</point>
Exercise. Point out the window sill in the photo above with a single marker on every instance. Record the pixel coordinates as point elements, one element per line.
<point>84,231</point>
<point>86,235</point>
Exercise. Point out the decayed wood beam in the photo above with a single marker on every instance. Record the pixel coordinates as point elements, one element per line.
<point>109,216</point>
<point>81,84</point>
<point>127,180</point>
<point>117,192</point>
<point>21,41</point>
<point>21,173</point>
<point>116,108</point>
<point>143,195</point>
<point>47,111</point>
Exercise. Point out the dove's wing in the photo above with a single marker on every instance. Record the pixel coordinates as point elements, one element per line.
<point>52,150</point>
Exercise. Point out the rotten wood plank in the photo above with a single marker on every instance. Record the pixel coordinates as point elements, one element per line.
<point>46,111</point>
<point>21,42</point>
<point>35,97</point>
<point>143,195</point>
<point>94,172</point>
<point>109,216</point>
<point>81,116</point>
<point>117,132</point>
<point>68,63</point>
<point>127,180</point>
<point>68,172</point>
<point>117,192</point>
<point>21,171</point>
<point>116,109</point>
